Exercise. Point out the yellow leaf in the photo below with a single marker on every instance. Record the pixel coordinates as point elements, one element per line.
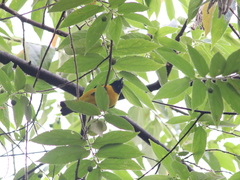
<point>207,17</point>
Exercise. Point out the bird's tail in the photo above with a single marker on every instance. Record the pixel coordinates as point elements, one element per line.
<point>65,110</point>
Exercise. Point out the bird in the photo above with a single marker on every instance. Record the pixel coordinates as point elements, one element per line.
<point>113,90</point>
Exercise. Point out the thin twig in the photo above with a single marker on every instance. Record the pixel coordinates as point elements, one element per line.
<point>174,147</point>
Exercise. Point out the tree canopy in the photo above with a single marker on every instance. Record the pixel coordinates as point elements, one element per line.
<point>180,103</point>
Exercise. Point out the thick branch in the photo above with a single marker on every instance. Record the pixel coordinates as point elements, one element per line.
<point>43,74</point>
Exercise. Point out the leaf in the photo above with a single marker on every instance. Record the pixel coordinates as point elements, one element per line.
<point>113,138</point>
<point>160,152</point>
<point>157,177</point>
<point>199,92</point>
<point>5,81</point>
<point>173,88</point>
<point>82,14</point>
<point>235,176</point>
<point>3,98</point>
<point>138,18</point>
<point>84,63</point>
<point>170,43</point>
<point>134,46</point>
<point>96,30</point>
<point>170,9</point>
<point>83,107</point>
<point>70,153</point>
<point>63,5</point>
<point>134,79</point>
<point>102,98</point>
<point>19,79</point>
<point>233,63</point>
<point>193,7</point>
<point>120,151</point>
<point>119,164</point>
<point>212,161</point>
<point>207,17</point>
<point>219,26</point>
<point>114,3</point>
<point>97,128</point>
<point>118,122</point>
<point>215,101</point>
<point>179,62</point>
<point>131,7</point>
<point>178,119</point>
<point>198,61</point>
<point>218,64</point>
<point>136,63</point>
<point>17,111</point>
<point>110,176</point>
<point>115,29</point>
<point>131,97</point>
<point>95,174</point>
<point>199,143</point>
<point>163,31</point>
<point>181,169</point>
<point>230,94</point>
<point>140,94</point>
<point>59,137</point>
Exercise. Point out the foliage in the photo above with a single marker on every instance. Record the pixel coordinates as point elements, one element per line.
<point>187,121</point>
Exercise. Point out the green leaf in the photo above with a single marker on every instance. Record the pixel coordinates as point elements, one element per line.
<point>215,101</point>
<point>179,62</point>
<point>181,169</point>
<point>131,97</point>
<point>218,64</point>
<point>219,26</point>
<point>83,107</point>
<point>136,63</point>
<point>157,177</point>
<point>233,63</point>
<point>82,14</point>
<point>19,79</point>
<point>198,61</point>
<point>26,107</point>
<point>113,138</point>
<point>102,98</point>
<point>3,98</point>
<point>170,9</point>
<point>235,176</point>
<point>160,152</point>
<point>212,161</point>
<point>163,31</point>
<point>5,81</point>
<point>18,111</point>
<point>119,164</point>
<point>95,174</point>
<point>84,63</point>
<point>193,7</point>
<point>63,5</point>
<point>230,94</point>
<point>4,46</point>
<point>173,88</point>
<point>140,94</point>
<point>121,151</point>
<point>70,153</point>
<point>199,143</point>
<point>118,122</point>
<point>96,30</point>
<point>170,43</point>
<point>110,176</point>
<point>115,29</point>
<point>115,4</point>
<point>97,127</point>
<point>59,137</point>
<point>131,7</point>
<point>134,46</point>
<point>138,18</point>
<point>134,79</point>
<point>178,119</point>
<point>199,92</point>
